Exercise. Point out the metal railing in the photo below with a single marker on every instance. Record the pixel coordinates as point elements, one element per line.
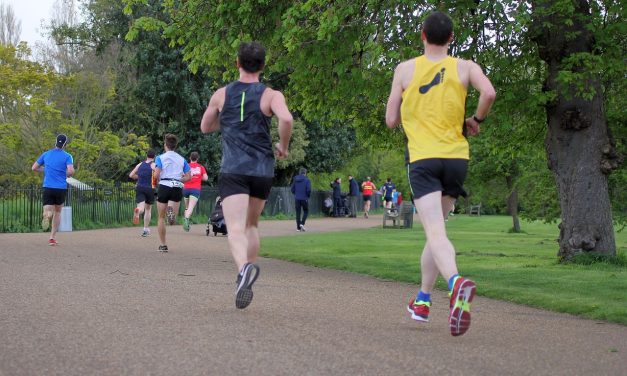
<point>111,205</point>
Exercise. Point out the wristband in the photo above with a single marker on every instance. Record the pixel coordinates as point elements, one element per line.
<point>477,119</point>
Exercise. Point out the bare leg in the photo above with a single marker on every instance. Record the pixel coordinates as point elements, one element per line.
<point>438,246</point>
<point>255,207</point>
<point>175,207</point>
<point>147,215</point>
<point>429,269</point>
<point>48,212</point>
<point>56,221</point>
<point>190,204</point>
<point>161,207</point>
<point>241,214</point>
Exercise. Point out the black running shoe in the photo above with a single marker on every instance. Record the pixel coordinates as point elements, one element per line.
<point>163,248</point>
<point>244,294</point>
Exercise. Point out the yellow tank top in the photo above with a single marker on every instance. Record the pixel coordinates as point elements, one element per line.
<point>432,111</point>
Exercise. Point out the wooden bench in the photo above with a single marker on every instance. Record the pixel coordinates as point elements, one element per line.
<point>402,217</point>
<point>475,210</point>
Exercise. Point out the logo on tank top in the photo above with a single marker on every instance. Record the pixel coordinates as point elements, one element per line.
<point>438,79</point>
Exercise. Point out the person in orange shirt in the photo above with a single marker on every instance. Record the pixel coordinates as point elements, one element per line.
<point>367,189</point>
<point>428,97</point>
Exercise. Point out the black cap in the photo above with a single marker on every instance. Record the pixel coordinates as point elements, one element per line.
<point>61,141</point>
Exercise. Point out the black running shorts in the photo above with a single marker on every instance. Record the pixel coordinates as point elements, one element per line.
<point>254,186</point>
<point>54,196</point>
<point>144,194</point>
<point>165,194</point>
<point>438,174</point>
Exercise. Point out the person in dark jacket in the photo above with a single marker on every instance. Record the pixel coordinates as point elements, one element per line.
<point>353,195</point>
<point>301,188</point>
<point>337,196</point>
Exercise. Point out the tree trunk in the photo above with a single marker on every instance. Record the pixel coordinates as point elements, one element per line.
<point>580,150</point>
<point>512,203</point>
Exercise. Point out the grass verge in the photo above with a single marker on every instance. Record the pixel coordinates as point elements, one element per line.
<point>515,267</point>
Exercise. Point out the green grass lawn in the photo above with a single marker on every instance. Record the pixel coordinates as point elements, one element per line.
<point>520,268</point>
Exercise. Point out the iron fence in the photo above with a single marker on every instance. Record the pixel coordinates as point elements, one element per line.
<point>111,205</point>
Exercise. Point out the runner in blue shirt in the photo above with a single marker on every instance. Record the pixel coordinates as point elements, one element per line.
<point>57,165</point>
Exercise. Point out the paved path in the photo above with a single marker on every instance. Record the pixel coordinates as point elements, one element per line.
<point>106,303</point>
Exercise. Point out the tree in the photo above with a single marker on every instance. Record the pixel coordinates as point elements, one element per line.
<point>10,27</point>
<point>580,148</point>
<point>30,120</point>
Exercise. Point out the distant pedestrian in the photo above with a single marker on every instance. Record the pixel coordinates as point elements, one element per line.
<point>353,195</point>
<point>242,111</point>
<point>171,170</point>
<point>387,190</point>
<point>57,165</point>
<point>367,189</point>
<point>144,190</point>
<point>337,196</point>
<point>301,188</point>
<point>191,189</point>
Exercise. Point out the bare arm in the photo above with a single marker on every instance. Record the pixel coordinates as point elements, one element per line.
<point>133,174</point>
<point>37,167</point>
<point>279,108</point>
<point>393,108</point>
<point>210,119</point>
<point>487,95</point>
<point>157,173</point>
<point>69,171</point>
<point>205,177</point>
<point>186,177</point>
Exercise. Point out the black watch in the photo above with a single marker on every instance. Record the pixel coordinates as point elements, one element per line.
<point>477,119</point>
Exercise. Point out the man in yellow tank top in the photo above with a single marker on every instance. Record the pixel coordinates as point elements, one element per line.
<point>428,97</point>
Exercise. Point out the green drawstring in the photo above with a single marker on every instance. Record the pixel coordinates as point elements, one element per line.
<point>241,107</point>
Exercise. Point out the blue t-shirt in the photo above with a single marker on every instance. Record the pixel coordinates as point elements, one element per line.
<point>55,162</point>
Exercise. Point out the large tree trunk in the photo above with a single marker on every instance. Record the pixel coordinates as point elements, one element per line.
<point>579,148</point>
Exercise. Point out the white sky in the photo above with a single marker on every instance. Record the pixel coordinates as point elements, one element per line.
<point>31,13</point>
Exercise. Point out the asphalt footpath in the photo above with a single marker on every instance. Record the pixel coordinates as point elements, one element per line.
<point>105,302</point>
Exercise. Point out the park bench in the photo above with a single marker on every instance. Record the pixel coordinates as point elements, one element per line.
<point>475,210</point>
<point>402,217</point>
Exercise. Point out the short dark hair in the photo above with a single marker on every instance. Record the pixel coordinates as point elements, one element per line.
<point>302,171</point>
<point>252,56</point>
<point>438,28</point>
<point>150,153</point>
<point>194,156</point>
<point>171,141</point>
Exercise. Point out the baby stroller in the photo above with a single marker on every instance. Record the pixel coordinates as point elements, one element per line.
<point>342,208</point>
<point>216,220</point>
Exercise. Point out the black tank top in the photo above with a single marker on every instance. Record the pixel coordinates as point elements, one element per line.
<point>246,140</point>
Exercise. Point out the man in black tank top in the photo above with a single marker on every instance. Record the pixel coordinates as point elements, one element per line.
<point>242,112</point>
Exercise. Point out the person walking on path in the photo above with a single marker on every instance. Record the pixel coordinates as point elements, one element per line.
<point>428,97</point>
<point>388,189</point>
<point>301,188</point>
<point>57,165</point>
<point>144,190</point>
<point>353,195</point>
<point>191,189</point>
<point>367,189</point>
<point>171,170</point>
<point>336,185</point>
<point>242,111</point>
